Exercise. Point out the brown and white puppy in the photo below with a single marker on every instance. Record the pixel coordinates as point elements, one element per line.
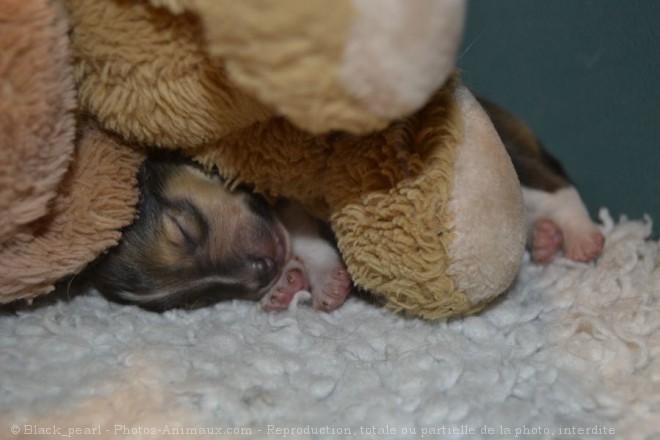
<point>195,243</point>
<point>557,219</point>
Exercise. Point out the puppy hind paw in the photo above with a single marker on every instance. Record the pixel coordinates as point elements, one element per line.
<point>281,295</point>
<point>547,239</point>
<point>333,292</point>
<point>584,247</point>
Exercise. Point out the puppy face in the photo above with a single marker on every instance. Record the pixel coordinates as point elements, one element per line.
<point>194,243</point>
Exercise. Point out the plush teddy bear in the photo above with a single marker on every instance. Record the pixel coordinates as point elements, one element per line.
<point>353,110</point>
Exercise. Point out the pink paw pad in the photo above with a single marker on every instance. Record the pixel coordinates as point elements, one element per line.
<point>547,240</point>
<point>280,296</point>
<point>333,293</point>
<point>584,247</point>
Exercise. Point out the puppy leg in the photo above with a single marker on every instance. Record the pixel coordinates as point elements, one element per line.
<point>560,220</point>
<point>318,268</point>
<point>334,291</point>
<point>328,277</point>
<point>329,281</point>
<point>331,284</point>
<point>318,263</point>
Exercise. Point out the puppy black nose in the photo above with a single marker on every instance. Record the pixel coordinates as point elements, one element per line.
<point>266,270</point>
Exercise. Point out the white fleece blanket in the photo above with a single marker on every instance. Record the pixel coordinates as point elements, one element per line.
<point>571,352</point>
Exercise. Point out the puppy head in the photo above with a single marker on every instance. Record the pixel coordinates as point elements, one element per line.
<point>194,243</point>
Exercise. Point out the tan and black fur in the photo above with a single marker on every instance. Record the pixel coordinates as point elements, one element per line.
<point>193,243</point>
<point>535,166</point>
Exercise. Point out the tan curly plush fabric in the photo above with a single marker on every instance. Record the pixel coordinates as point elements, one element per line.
<point>211,67</point>
<point>395,226</point>
<point>145,75</point>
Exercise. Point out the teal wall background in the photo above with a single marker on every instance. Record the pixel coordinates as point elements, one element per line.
<point>585,75</point>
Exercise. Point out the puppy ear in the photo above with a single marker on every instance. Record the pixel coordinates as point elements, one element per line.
<point>183,228</point>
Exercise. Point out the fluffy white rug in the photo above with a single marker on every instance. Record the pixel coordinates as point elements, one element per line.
<point>571,352</point>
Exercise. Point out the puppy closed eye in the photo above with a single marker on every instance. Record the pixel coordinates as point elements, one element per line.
<point>183,226</point>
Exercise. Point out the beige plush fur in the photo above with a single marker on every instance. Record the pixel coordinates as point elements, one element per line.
<point>94,201</point>
<point>488,243</point>
<point>61,204</point>
<point>393,74</point>
<point>37,97</point>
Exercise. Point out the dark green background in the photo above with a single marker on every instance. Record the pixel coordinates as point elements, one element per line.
<point>585,75</point>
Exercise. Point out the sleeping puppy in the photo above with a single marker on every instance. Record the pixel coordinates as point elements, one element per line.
<point>195,243</point>
<point>556,217</point>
